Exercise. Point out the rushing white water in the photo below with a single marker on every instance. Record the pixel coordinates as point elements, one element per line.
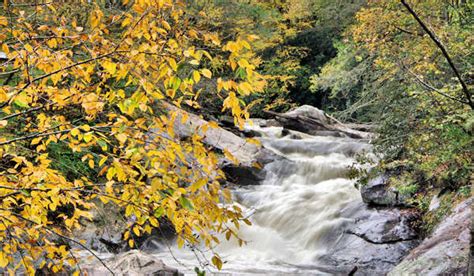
<point>296,206</point>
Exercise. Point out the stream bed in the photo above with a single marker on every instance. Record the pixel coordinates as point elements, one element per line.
<point>295,212</point>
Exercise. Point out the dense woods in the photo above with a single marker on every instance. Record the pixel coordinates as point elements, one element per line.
<point>87,90</point>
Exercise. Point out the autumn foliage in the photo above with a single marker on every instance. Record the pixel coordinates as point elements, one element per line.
<point>94,82</point>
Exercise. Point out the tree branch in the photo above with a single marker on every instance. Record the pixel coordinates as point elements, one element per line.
<point>443,50</point>
<point>432,88</point>
<point>64,237</point>
<point>55,72</point>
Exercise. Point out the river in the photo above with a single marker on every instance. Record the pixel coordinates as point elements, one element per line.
<point>295,212</point>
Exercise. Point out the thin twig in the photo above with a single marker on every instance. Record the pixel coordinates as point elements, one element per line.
<point>432,88</point>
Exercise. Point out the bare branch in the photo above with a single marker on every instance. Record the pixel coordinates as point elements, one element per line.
<point>438,43</point>
<point>432,88</point>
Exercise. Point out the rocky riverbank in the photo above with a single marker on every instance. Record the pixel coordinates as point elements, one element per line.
<point>378,235</point>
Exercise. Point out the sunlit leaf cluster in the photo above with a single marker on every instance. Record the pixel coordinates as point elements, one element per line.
<point>98,84</point>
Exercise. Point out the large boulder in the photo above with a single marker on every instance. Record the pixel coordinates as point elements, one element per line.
<point>379,192</point>
<point>446,250</point>
<point>309,119</point>
<point>310,112</point>
<point>250,158</point>
<point>372,242</point>
<point>131,263</point>
<point>215,137</point>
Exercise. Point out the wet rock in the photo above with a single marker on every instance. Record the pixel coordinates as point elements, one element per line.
<point>310,120</point>
<point>243,175</point>
<point>378,192</point>
<point>104,232</point>
<point>265,122</point>
<point>250,133</point>
<point>372,242</point>
<point>131,263</point>
<point>385,226</point>
<point>446,250</point>
<point>251,175</point>
<point>266,156</point>
<point>310,112</point>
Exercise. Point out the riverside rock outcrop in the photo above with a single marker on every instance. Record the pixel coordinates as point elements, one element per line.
<point>251,158</point>
<point>372,242</point>
<point>446,250</point>
<point>379,193</point>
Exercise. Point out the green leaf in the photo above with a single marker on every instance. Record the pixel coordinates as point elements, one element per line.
<point>159,212</point>
<point>186,203</point>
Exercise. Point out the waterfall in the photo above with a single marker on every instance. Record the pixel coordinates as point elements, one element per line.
<point>295,212</point>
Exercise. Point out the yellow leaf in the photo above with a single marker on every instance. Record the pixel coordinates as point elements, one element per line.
<point>231,157</point>
<point>254,141</point>
<point>22,100</point>
<point>52,43</point>
<point>131,243</point>
<point>3,96</point>
<point>3,21</point>
<point>36,141</point>
<point>173,64</point>
<point>110,173</point>
<point>126,22</point>
<point>43,28</point>
<point>166,25</point>
<point>184,118</point>
<point>110,67</point>
<point>91,163</point>
<point>136,230</point>
<point>28,47</point>
<point>206,73</point>
<point>196,76</point>
<point>197,185</point>
<point>95,18</point>
<point>5,48</point>
<point>194,62</point>
<point>180,242</point>
<point>217,262</point>
<point>121,137</point>
<point>245,88</point>
<point>213,124</point>
<point>243,63</point>
<point>87,137</point>
<point>75,132</point>
<point>154,222</point>
<point>3,259</point>
<point>102,161</point>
